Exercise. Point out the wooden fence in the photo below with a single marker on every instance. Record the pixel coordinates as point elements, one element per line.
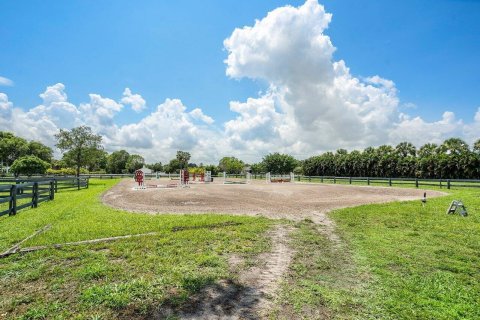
<point>23,193</point>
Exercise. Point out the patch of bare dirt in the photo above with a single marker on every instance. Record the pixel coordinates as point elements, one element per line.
<point>250,297</point>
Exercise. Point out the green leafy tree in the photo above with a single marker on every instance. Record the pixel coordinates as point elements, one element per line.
<point>135,162</point>
<point>451,159</point>
<point>279,163</point>
<point>183,157</point>
<point>231,165</point>
<point>40,150</point>
<point>97,160</point>
<point>79,143</point>
<point>258,167</point>
<point>117,161</point>
<point>173,166</point>
<point>58,164</point>
<point>29,165</point>
<point>341,162</point>
<point>212,168</point>
<point>298,170</point>
<point>476,146</point>
<point>11,147</point>
<point>155,167</point>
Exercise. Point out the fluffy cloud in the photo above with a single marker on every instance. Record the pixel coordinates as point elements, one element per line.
<point>418,131</point>
<point>170,128</point>
<point>198,114</point>
<point>5,82</point>
<point>313,103</point>
<point>157,136</point>
<point>5,109</point>
<point>320,104</point>
<point>134,100</point>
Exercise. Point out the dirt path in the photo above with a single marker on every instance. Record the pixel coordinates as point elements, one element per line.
<point>248,298</point>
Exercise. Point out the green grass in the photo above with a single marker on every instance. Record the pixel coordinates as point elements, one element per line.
<point>127,278</point>
<point>397,261</point>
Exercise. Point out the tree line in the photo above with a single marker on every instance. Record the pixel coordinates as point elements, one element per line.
<point>453,159</point>
<point>83,152</point>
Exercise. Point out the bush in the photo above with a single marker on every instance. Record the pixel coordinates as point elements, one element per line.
<point>29,165</point>
<point>298,170</point>
<point>95,172</point>
<point>66,171</point>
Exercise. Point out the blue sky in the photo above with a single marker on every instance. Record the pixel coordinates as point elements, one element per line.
<point>175,50</point>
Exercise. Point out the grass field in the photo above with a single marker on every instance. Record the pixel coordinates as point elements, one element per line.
<point>395,261</point>
<point>128,278</point>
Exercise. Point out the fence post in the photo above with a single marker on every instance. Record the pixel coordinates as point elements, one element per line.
<point>334,180</point>
<point>368,180</point>
<point>310,179</point>
<point>390,182</point>
<point>448,184</point>
<point>52,190</point>
<point>78,183</point>
<point>350,180</point>
<point>13,200</point>
<point>35,195</point>
<point>19,190</point>
<point>440,183</point>
<point>416,182</point>
<point>56,185</point>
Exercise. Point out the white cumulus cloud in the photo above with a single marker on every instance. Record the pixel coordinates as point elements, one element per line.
<point>136,101</point>
<point>318,103</point>
<point>198,114</point>
<point>6,82</point>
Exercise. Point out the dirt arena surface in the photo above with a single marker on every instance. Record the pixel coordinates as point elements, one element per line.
<point>293,201</point>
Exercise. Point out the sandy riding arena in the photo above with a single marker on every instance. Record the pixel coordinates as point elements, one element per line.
<point>294,201</point>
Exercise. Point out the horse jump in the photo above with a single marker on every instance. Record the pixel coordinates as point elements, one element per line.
<point>280,178</point>
<point>226,180</point>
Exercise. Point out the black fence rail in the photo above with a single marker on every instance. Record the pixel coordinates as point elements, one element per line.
<point>18,194</point>
<point>59,182</point>
<point>73,182</point>
<point>24,195</point>
<point>417,182</point>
